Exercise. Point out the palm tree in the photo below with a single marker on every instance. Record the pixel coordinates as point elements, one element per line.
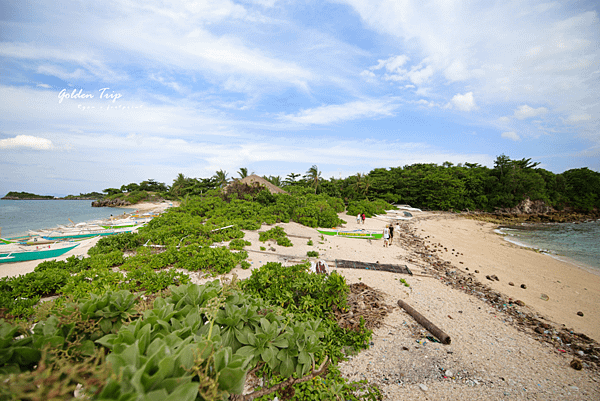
<point>313,175</point>
<point>221,178</point>
<point>363,183</point>
<point>243,172</point>
<point>275,180</point>
<point>178,184</point>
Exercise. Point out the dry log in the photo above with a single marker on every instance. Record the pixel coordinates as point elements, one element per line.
<point>423,321</point>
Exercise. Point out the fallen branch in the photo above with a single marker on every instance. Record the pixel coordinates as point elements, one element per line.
<point>289,382</point>
<point>422,320</point>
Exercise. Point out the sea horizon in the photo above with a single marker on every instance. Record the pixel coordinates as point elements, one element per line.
<point>17,217</point>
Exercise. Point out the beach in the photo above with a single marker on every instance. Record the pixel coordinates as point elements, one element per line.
<point>495,352</point>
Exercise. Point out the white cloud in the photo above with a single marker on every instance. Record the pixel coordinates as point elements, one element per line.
<point>343,112</point>
<point>392,64</point>
<point>457,71</point>
<point>44,86</point>
<point>464,102</point>
<point>511,135</point>
<point>26,141</point>
<point>578,118</point>
<point>40,53</point>
<point>525,111</point>
<point>420,75</point>
<point>525,53</point>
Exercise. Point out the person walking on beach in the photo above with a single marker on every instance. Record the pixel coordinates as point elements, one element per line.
<point>363,218</point>
<point>391,234</point>
<point>386,236</point>
<point>358,217</point>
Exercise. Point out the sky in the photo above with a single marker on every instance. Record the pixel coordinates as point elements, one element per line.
<point>100,94</point>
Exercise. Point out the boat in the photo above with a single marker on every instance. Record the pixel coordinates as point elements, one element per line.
<point>73,236</point>
<point>25,253</point>
<point>405,216</point>
<point>352,234</point>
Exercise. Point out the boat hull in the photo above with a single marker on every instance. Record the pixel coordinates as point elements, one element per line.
<point>352,234</point>
<point>23,256</point>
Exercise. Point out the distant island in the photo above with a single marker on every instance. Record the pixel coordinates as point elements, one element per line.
<point>13,195</point>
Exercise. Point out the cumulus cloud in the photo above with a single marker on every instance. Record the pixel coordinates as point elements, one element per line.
<point>525,111</point>
<point>464,102</point>
<point>26,141</point>
<point>511,135</point>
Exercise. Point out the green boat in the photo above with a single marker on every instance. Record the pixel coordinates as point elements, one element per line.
<point>352,234</point>
<point>45,252</point>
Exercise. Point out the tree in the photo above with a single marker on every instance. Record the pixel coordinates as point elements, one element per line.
<point>313,175</point>
<point>275,180</point>
<point>111,191</point>
<point>153,185</point>
<point>291,178</point>
<point>221,178</point>
<point>178,184</point>
<point>243,172</point>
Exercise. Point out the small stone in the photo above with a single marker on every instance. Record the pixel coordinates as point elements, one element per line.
<point>476,271</point>
<point>539,330</point>
<point>511,283</point>
<point>523,286</point>
<point>449,373</point>
<point>423,387</point>
<point>580,313</point>
<point>520,303</point>
<point>544,297</point>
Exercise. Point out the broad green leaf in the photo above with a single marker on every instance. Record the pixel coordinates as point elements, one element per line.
<point>232,380</point>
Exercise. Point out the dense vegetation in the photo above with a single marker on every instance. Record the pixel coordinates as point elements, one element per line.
<point>467,186</point>
<point>127,325</point>
<point>25,195</point>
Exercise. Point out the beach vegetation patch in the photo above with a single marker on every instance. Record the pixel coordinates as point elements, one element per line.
<point>277,234</point>
<point>239,244</point>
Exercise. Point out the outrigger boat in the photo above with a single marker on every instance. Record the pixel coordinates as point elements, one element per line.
<point>352,234</point>
<point>25,253</point>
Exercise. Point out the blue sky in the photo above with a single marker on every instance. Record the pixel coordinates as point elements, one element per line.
<point>276,86</point>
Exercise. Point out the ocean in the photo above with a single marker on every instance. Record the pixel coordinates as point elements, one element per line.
<point>577,243</point>
<point>19,216</point>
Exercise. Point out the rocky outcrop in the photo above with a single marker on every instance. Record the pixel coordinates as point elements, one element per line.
<point>110,203</point>
<point>528,206</point>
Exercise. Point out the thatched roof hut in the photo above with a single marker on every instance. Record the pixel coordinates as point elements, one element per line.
<point>255,179</point>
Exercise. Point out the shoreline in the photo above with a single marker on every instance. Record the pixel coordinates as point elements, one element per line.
<point>569,287</point>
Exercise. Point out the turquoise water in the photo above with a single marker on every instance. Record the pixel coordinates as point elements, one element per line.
<point>19,216</point>
<point>575,243</point>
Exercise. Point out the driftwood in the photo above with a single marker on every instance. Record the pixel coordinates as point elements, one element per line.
<point>289,382</point>
<point>423,321</point>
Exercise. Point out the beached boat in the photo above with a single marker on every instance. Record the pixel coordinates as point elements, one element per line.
<point>73,236</point>
<point>25,253</point>
<point>404,216</point>
<point>352,234</point>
